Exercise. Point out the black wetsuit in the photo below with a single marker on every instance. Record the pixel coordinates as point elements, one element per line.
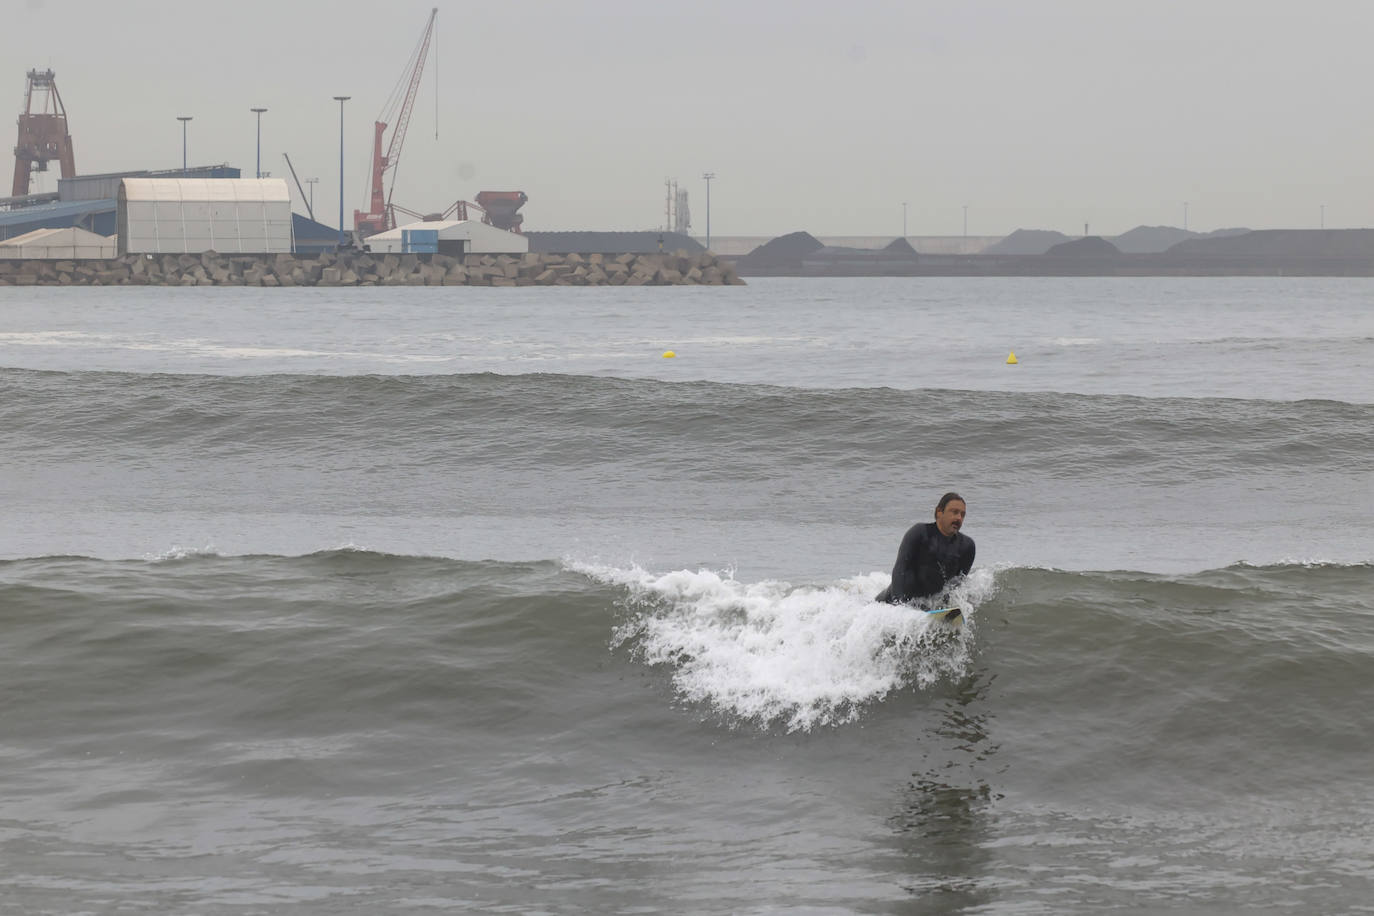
<point>926,562</point>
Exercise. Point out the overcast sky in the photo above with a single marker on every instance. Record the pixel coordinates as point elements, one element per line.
<point>821,116</point>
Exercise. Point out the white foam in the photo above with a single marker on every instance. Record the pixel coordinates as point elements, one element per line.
<point>177,552</point>
<point>799,656</point>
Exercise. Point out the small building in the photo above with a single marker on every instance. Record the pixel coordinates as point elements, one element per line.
<point>193,215</point>
<point>58,244</point>
<point>448,236</point>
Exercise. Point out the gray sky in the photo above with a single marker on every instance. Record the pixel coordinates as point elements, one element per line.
<point>821,116</point>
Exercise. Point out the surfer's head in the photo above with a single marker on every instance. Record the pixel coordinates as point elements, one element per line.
<point>949,514</point>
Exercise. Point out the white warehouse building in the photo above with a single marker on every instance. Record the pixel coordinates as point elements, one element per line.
<point>192,215</point>
<point>72,243</point>
<point>448,236</point>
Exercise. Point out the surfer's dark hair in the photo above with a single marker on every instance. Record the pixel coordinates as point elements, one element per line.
<point>949,498</point>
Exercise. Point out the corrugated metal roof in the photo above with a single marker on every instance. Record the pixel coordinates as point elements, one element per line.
<point>395,234</point>
<point>206,189</point>
<point>305,228</point>
<point>45,212</point>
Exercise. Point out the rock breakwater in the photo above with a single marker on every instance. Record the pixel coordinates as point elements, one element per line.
<point>358,268</point>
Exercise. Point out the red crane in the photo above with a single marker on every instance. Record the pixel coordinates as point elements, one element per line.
<point>379,216</point>
<point>43,134</point>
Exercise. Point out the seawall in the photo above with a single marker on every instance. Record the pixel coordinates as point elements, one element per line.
<point>366,269</point>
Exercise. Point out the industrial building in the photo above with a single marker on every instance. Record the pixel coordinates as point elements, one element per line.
<point>449,236</point>
<point>181,215</point>
<point>58,244</point>
<point>85,201</point>
<point>210,220</point>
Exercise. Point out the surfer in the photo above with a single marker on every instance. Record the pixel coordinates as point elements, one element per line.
<point>931,555</point>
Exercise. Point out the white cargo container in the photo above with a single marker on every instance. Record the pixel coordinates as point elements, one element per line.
<point>68,244</point>
<point>191,215</point>
<point>449,236</point>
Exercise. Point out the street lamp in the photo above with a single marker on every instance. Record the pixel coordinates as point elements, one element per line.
<point>312,182</point>
<point>1185,216</point>
<point>258,112</point>
<point>341,99</point>
<point>903,219</point>
<point>183,119</point>
<point>708,176</point>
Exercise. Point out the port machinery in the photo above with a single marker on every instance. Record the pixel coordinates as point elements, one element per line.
<point>43,133</point>
<point>495,208</point>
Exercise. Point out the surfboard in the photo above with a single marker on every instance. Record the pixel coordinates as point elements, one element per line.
<point>950,615</point>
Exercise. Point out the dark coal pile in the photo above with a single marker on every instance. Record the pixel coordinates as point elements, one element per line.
<point>1151,239</point>
<point>1282,243</point>
<point>1028,241</point>
<point>900,248</point>
<point>1091,247</point>
<point>782,252</point>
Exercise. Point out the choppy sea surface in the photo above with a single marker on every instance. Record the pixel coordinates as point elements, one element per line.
<point>445,599</point>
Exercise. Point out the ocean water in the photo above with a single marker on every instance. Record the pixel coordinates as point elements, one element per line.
<point>421,600</point>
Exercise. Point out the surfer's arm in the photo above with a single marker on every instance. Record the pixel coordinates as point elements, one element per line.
<point>967,561</point>
<point>904,570</point>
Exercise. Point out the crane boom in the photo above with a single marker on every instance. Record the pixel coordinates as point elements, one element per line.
<point>305,200</point>
<point>379,217</point>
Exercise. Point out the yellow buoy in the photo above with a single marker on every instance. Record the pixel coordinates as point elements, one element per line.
<point>1011,358</point>
<point>668,354</point>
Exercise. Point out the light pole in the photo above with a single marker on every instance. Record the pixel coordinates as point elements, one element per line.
<point>1185,216</point>
<point>258,112</point>
<point>708,176</point>
<point>965,220</point>
<point>183,119</point>
<point>312,182</point>
<point>341,99</point>
<point>903,219</point>
<point>1323,222</point>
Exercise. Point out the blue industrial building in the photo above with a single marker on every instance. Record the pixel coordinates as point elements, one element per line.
<point>89,202</point>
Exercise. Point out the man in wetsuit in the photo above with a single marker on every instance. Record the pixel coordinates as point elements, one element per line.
<point>932,554</point>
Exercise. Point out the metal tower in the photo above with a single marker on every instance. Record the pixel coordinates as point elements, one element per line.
<point>43,134</point>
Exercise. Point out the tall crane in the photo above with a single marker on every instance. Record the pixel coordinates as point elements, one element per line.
<point>379,216</point>
<point>43,133</point>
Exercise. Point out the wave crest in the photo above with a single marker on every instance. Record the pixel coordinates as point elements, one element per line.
<point>773,653</point>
